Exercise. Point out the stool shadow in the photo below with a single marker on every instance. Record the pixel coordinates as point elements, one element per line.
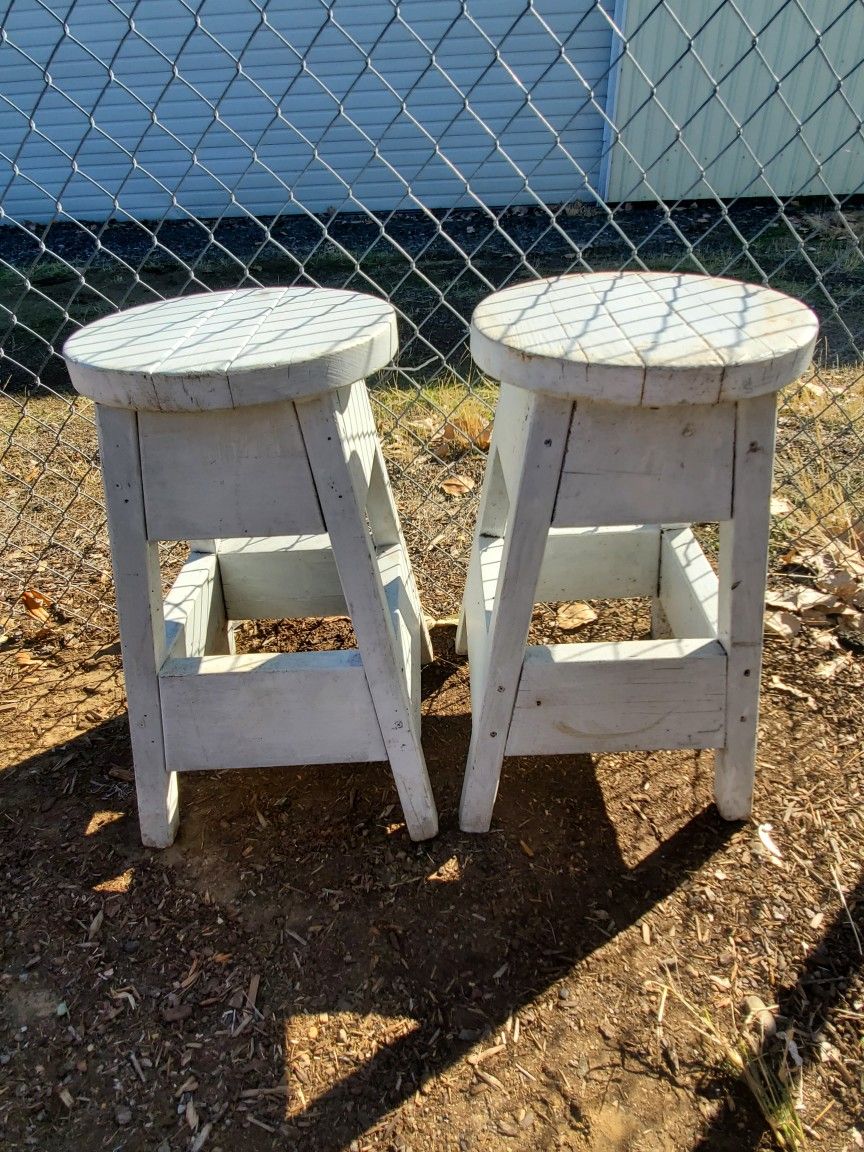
<point>460,958</point>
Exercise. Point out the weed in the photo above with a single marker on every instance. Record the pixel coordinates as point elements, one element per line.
<point>763,1064</point>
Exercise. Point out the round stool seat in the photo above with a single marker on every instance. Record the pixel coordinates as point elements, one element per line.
<point>232,349</point>
<point>643,338</point>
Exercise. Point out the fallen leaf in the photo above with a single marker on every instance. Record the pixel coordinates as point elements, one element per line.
<point>95,925</point>
<point>782,624</point>
<point>824,554</point>
<point>36,605</point>
<point>125,774</point>
<point>791,690</point>
<point>448,872</point>
<point>829,668</point>
<point>780,506</point>
<point>804,600</point>
<point>569,617</point>
<point>429,425</point>
<point>817,390</point>
<point>823,639</point>
<point>457,485</point>
<point>840,583</point>
<point>469,428</point>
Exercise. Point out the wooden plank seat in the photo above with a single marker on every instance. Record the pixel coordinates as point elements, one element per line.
<point>240,421</point>
<point>643,399</point>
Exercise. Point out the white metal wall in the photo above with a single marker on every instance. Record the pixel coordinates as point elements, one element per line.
<point>200,106</point>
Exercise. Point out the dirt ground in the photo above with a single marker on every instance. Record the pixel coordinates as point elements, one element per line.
<point>294,972</point>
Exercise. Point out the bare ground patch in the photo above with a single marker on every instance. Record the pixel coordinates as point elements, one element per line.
<point>295,973</point>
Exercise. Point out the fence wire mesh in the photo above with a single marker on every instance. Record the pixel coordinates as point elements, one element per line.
<point>428,154</point>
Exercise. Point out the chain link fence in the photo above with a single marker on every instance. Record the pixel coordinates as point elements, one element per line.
<point>429,154</point>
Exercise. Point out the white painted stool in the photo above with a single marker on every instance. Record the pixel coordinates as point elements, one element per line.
<point>242,417</point>
<point>632,404</point>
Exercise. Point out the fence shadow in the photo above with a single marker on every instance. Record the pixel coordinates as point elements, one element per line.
<point>827,971</point>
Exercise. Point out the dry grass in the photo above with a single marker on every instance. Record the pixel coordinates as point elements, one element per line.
<point>820,496</point>
<point>848,224</point>
<point>448,417</point>
<point>52,532</point>
<point>819,455</point>
<point>839,237</point>
<point>52,520</point>
<point>833,396</point>
<point>764,1067</point>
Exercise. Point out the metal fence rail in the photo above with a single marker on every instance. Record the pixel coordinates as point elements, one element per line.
<point>429,157</point>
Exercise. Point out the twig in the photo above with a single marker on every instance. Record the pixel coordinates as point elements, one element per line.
<point>837,885</point>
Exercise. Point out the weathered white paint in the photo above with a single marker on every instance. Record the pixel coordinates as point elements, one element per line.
<point>688,591</point>
<point>584,564</point>
<point>195,620</point>
<point>235,472</point>
<point>626,458</point>
<point>381,650</point>
<point>598,563</point>
<point>281,577</point>
<point>641,694</point>
<point>627,465</point>
<point>265,711</point>
<point>386,532</point>
<point>510,427</point>
<point>311,480</point>
<point>440,105</point>
<point>491,521</point>
<point>353,416</point>
<point>500,656</point>
<point>231,349</point>
<point>643,338</point>
<point>743,567</point>
<point>135,561</point>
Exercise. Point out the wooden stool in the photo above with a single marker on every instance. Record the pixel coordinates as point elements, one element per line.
<point>632,404</point>
<point>242,417</point>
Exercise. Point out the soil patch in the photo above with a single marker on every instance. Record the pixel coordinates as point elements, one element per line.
<point>294,972</point>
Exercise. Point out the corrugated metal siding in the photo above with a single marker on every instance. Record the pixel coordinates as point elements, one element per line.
<point>684,141</point>
<point>222,104</point>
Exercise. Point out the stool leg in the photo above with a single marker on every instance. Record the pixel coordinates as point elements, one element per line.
<point>499,665</point>
<point>743,564</point>
<point>142,628</point>
<point>380,651</point>
<point>386,529</point>
<point>221,642</point>
<point>491,521</point>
